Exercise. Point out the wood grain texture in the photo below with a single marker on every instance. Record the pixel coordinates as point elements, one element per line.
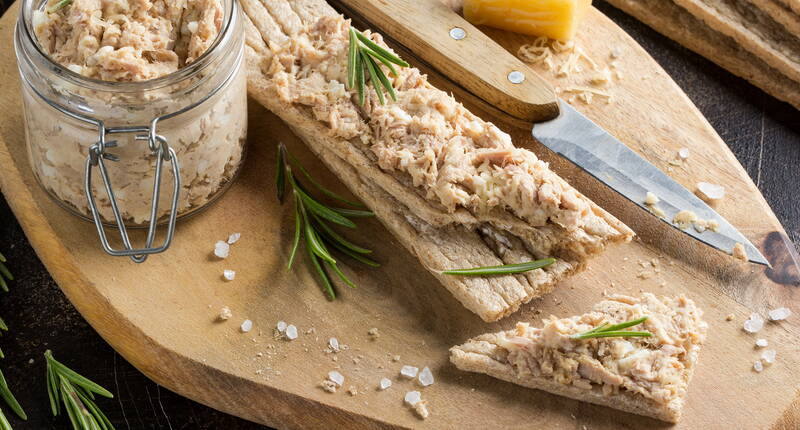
<point>157,315</point>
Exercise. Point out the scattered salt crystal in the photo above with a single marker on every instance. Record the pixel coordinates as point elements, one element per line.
<point>281,326</point>
<point>336,377</point>
<point>761,343</point>
<point>426,377</point>
<point>234,238</point>
<point>769,356</point>
<point>247,325</point>
<point>754,324</point>
<point>409,372</point>
<point>758,366</point>
<point>385,383</point>
<point>291,332</point>
<point>334,344</point>
<point>710,191</point>
<point>683,153</point>
<point>222,249</point>
<point>412,397</point>
<point>779,314</point>
<point>229,275</point>
<point>225,313</point>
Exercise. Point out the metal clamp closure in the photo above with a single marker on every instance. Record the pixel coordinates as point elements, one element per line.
<point>160,149</point>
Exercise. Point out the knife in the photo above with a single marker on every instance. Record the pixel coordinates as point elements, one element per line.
<point>460,51</point>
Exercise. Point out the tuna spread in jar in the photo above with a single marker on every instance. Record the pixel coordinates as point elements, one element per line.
<point>119,71</point>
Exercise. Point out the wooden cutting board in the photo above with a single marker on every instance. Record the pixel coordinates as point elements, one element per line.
<point>161,315</point>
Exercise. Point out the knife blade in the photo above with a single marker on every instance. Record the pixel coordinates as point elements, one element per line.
<point>578,139</point>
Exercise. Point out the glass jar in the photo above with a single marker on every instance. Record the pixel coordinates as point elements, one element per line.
<point>112,151</point>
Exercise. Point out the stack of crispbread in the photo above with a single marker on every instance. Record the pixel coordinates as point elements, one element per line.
<point>758,40</point>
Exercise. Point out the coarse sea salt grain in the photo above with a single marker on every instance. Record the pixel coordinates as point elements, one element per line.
<point>413,397</point>
<point>247,325</point>
<point>761,343</point>
<point>334,344</point>
<point>385,383</point>
<point>409,371</point>
<point>779,314</point>
<point>683,153</point>
<point>222,249</point>
<point>281,326</point>
<point>336,377</point>
<point>768,356</point>
<point>710,191</point>
<point>291,332</point>
<point>229,275</point>
<point>426,377</point>
<point>754,324</point>
<point>233,238</point>
<point>758,366</point>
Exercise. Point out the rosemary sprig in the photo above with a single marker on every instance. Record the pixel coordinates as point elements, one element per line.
<point>58,6</point>
<point>77,395</point>
<point>605,330</point>
<point>5,391</point>
<point>312,222</point>
<point>363,57</point>
<point>506,269</point>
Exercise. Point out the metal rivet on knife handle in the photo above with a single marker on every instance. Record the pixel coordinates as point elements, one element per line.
<point>516,77</point>
<point>458,33</point>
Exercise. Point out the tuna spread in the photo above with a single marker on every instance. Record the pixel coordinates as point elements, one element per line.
<point>127,42</point>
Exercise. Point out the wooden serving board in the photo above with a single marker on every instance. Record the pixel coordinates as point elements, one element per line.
<point>161,315</point>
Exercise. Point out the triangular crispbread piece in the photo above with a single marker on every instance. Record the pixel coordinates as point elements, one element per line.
<point>642,375</point>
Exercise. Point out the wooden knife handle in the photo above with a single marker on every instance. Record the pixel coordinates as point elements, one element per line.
<point>475,62</point>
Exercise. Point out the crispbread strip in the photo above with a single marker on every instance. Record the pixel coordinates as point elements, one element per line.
<point>781,13</point>
<point>483,355</point>
<point>752,29</point>
<point>439,239</point>
<point>679,25</point>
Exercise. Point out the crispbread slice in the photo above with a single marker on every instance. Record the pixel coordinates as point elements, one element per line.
<point>440,239</point>
<point>681,26</point>
<point>524,355</point>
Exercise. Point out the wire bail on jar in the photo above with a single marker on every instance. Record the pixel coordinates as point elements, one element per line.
<point>160,149</point>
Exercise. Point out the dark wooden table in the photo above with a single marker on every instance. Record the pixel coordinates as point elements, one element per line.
<point>763,133</point>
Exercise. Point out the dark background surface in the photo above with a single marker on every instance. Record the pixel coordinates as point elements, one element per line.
<point>763,133</point>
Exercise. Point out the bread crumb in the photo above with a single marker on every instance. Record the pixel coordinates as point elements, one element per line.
<point>421,408</point>
<point>684,219</point>
<point>328,386</point>
<point>729,317</point>
<point>353,390</point>
<point>738,252</point>
<point>373,333</point>
<point>225,314</point>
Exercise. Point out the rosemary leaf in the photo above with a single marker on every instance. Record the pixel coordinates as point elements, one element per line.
<point>352,59</point>
<point>313,242</point>
<point>326,281</point>
<point>360,81</point>
<point>329,233</point>
<point>298,226</point>
<point>605,330</point>
<point>351,213</point>
<point>380,58</point>
<point>52,392</point>
<point>4,424</point>
<point>341,276</point>
<point>383,79</point>
<point>74,377</point>
<point>613,334</point>
<point>317,208</point>
<point>3,325</point>
<point>506,269</point>
<point>5,393</point>
<point>280,175</point>
<point>296,164</point>
<point>380,50</point>
<point>58,6</point>
<point>355,256</point>
<point>373,77</point>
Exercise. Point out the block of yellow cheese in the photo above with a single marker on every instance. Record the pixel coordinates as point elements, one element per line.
<point>556,19</point>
